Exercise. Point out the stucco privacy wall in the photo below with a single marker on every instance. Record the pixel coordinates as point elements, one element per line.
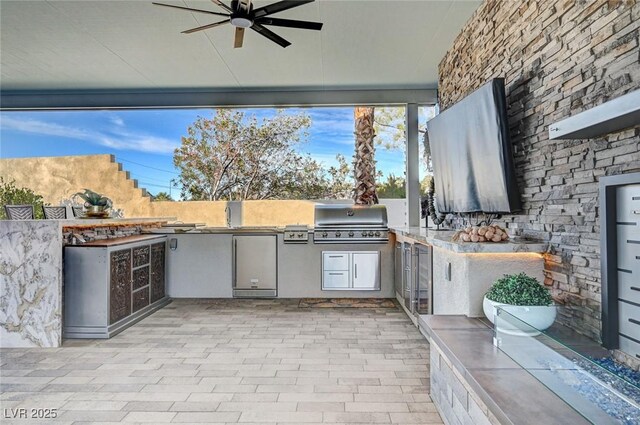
<point>558,58</point>
<point>58,178</point>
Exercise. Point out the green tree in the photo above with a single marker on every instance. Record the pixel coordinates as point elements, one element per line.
<point>339,186</point>
<point>162,196</point>
<point>234,157</point>
<point>390,127</point>
<point>392,188</point>
<point>10,194</point>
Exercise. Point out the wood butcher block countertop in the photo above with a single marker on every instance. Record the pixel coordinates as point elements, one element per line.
<point>106,243</point>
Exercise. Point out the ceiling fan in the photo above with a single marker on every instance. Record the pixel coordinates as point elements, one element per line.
<point>241,15</point>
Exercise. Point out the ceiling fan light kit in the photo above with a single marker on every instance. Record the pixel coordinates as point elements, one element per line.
<point>242,15</point>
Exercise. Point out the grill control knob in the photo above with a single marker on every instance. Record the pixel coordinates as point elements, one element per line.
<point>338,234</point>
<point>370,233</point>
<point>364,234</point>
<point>377,233</point>
<point>300,235</point>
<point>324,234</point>
<point>351,234</point>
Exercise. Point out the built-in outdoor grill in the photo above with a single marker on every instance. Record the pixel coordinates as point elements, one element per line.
<point>350,224</point>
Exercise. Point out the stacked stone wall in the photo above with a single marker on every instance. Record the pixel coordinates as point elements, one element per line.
<point>558,58</point>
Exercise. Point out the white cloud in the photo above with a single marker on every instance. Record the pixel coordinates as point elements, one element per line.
<point>116,120</point>
<point>327,159</point>
<point>119,139</point>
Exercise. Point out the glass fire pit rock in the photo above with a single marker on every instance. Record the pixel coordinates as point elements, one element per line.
<point>599,394</point>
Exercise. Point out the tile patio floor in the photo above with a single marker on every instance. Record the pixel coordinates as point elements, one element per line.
<point>233,361</point>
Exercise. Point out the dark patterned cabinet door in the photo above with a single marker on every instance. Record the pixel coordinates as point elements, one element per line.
<point>157,271</point>
<point>140,277</point>
<point>120,282</point>
<point>140,299</point>
<point>140,256</point>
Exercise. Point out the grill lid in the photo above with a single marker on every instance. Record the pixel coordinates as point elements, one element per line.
<point>350,216</point>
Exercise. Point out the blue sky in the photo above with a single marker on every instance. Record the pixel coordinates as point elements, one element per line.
<point>144,140</point>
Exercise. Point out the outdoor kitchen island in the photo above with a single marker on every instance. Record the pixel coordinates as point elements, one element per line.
<point>202,263</point>
<point>31,272</point>
<point>346,254</point>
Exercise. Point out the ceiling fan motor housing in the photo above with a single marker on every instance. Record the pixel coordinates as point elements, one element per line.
<point>241,16</point>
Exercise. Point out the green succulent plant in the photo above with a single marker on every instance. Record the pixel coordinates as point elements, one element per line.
<point>92,198</point>
<point>519,289</point>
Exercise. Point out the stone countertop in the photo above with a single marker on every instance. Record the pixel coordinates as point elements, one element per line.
<point>106,222</point>
<point>106,243</point>
<point>218,230</point>
<point>442,239</point>
<point>510,393</point>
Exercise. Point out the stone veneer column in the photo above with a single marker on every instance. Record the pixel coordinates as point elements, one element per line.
<point>31,283</point>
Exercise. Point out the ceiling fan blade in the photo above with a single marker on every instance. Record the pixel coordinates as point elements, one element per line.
<point>290,23</point>
<point>279,7</point>
<point>239,38</point>
<point>206,27</point>
<point>190,9</point>
<point>270,35</point>
<point>222,5</point>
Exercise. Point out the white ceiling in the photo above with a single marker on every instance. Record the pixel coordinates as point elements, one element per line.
<point>53,45</point>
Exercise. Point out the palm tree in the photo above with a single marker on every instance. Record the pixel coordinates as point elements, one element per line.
<point>162,196</point>
<point>364,164</point>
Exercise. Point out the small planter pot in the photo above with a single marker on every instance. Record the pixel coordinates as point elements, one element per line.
<point>96,211</point>
<point>539,318</point>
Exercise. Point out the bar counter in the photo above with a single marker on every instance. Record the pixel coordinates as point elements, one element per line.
<point>31,279</point>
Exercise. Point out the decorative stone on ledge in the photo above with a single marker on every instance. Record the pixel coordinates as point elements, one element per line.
<point>442,239</point>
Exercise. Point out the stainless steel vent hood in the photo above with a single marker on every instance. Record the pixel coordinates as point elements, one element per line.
<point>609,117</point>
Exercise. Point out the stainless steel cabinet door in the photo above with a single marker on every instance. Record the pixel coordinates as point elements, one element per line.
<point>407,275</point>
<point>398,269</point>
<point>366,270</point>
<point>423,284</point>
<point>255,262</point>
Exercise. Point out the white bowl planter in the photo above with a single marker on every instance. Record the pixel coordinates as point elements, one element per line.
<point>538,317</point>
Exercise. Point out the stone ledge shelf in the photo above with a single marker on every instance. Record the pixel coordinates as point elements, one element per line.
<point>31,273</point>
<point>442,239</point>
<point>463,271</point>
